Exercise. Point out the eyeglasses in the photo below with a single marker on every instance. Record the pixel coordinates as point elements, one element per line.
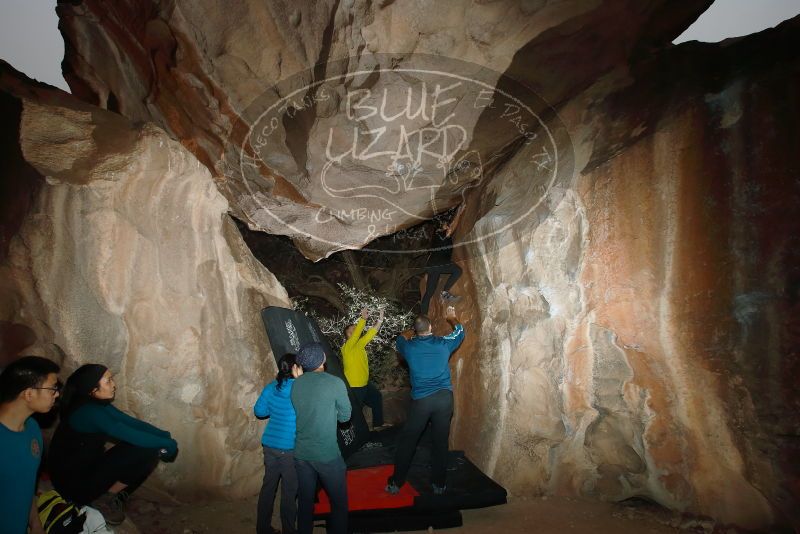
<point>54,389</point>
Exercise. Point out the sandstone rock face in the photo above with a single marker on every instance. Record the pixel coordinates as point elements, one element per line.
<point>634,334</point>
<point>208,73</point>
<point>17,191</point>
<point>634,337</point>
<point>128,258</point>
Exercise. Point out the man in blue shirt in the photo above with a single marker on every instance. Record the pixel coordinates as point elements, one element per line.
<point>27,386</point>
<point>428,358</point>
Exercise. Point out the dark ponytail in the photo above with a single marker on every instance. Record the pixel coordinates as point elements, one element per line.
<point>78,389</point>
<point>285,369</point>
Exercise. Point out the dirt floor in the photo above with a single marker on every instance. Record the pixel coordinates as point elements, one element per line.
<point>542,516</point>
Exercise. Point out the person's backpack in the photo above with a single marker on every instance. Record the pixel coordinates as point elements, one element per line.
<point>59,516</point>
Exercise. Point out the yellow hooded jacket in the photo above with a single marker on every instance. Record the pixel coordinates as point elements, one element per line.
<point>354,355</point>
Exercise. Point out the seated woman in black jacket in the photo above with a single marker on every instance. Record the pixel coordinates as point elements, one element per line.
<point>82,469</point>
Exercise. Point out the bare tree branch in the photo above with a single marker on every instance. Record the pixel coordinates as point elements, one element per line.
<point>359,281</point>
<point>316,286</point>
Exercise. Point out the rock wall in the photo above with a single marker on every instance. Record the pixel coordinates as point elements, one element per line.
<point>205,73</point>
<point>634,337</point>
<point>127,257</point>
<point>17,191</point>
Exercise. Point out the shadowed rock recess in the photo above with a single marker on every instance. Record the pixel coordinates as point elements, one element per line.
<point>631,274</point>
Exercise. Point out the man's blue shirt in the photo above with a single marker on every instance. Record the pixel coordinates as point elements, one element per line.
<point>19,462</point>
<point>428,358</point>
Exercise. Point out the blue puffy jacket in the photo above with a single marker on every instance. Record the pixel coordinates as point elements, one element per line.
<point>277,405</point>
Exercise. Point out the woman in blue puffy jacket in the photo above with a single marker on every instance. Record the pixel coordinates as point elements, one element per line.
<point>275,402</point>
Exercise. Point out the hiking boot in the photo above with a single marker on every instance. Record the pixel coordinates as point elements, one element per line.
<point>449,297</point>
<point>391,487</point>
<point>112,506</point>
<point>438,490</point>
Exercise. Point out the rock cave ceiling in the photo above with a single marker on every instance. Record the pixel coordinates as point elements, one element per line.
<point>335,126</point>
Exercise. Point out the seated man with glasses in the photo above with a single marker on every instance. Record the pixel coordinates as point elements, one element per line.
<point>27,386</point>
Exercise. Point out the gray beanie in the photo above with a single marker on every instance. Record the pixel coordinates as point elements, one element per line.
<point>311,356</point>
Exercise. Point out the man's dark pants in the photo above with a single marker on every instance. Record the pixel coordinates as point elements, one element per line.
<point>438,409</point>
<point>332,475</point>
<point>370,395</point>
<point>451,269</point>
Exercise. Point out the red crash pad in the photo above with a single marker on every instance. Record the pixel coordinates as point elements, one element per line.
<point>365,491</point>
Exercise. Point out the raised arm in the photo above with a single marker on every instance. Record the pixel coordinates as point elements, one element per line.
<point>402,340</point>
<point>373,331</point>
<point>451,317</point>
<point>456,219</point>
<point>454,338</point>
<point>377,325</point>
<point>351,341</point>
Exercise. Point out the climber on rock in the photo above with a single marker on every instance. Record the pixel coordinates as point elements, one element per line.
<point>428,359</point>
<point>356,366</point>
<point>440,262</point>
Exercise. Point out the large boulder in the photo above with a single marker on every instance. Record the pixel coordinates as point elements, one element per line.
<point>632,285</point>
<point>285,101</point>
<point>127,257</point>
<point>636,336</point>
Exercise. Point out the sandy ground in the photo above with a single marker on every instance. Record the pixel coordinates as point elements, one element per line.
<point>536,515</point>
<point>542,516</point>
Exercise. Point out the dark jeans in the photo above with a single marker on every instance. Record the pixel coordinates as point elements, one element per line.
<point>332,476</point>
<point>278,465</point>
<point>370,395</point>
<point>438,409</point>
<point>451,269</point>
<point>123,462</point>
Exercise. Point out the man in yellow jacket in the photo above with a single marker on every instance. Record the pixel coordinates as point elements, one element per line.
<point>356,365</point>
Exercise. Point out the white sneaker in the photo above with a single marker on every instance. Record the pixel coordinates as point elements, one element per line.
<point>449,297</point>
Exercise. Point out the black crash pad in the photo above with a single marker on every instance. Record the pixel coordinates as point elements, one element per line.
<point>467,487</point>
<point>288,330</point>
